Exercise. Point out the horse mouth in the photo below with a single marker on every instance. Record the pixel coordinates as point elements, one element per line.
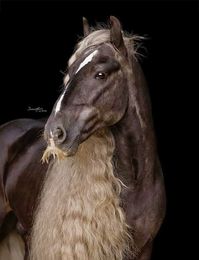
<point>59,153</point>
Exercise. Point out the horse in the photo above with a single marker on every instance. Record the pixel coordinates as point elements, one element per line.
<point>98,192</point>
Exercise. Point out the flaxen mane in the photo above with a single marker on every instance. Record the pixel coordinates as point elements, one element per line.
<point>79,215</point>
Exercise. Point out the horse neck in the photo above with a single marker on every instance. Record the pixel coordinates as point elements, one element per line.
<point>135,153</point>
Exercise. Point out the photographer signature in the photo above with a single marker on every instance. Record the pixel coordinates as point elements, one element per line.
<point>37,109</point>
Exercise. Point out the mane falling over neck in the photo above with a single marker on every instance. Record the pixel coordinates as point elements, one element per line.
<point>79,214</point>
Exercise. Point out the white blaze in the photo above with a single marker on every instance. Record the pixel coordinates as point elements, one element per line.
<point>84,62</point>
<point>66,79</point>
<point>87,60</point>
<point>58,106</point>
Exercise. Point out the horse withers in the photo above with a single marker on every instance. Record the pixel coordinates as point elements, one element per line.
<point>102,194</point>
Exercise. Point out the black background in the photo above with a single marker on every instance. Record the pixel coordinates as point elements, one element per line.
<point>37,39</point>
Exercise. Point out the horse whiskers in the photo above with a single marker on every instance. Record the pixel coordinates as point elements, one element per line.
<point>54,151</point>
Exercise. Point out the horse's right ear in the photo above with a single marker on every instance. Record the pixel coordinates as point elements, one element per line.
<point>86,27</point>
<point>116,37</point>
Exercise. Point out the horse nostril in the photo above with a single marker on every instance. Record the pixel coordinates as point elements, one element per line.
<point>59,134</point>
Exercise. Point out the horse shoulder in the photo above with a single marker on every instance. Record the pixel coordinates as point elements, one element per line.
<point>21,149</point>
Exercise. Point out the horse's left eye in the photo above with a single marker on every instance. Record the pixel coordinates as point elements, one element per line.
<point>100,75</point>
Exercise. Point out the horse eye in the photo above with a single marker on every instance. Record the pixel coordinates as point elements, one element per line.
<point>100,75</point>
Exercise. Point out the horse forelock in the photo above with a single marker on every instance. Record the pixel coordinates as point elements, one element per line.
<point>101,35</point>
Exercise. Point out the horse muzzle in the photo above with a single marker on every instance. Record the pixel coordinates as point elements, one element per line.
<point>60,143</point>
<point>65,131</point>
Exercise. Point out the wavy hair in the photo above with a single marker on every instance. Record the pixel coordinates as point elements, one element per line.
<point>79,214</point>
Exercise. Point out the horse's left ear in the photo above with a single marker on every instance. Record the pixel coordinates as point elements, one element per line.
<point>86,27</point>
<point>116,35</point>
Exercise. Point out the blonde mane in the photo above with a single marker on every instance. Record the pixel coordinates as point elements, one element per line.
<point>79,216</point>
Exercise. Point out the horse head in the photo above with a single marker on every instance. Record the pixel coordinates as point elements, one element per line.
<point>95,95</point>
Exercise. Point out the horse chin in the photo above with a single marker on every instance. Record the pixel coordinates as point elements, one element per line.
<point>71,151</point>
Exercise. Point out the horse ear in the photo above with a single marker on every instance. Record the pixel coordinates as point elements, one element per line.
<point>86,27</point>
<point>116,35</point>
